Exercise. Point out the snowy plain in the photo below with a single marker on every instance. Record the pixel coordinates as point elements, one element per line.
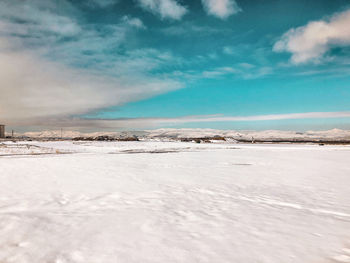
<point>152,201</point>
<point>334,134</point>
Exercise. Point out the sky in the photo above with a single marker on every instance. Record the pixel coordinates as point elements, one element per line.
<point>145,64</point>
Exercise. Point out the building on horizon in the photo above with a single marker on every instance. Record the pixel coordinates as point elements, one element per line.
<point>2,131</point>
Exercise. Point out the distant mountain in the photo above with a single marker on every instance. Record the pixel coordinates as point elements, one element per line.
<point>178,134</point>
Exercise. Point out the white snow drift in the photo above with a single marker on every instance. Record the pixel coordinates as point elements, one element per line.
<point>130,202</point>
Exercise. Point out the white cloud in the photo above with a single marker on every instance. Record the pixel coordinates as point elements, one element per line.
<point>43,77</point>
<point>35,19</point>
<point>311,42</point>
<point>142,123</point>
<point>221,8</point>
<point>164,8</point>
<point>32,88</point>
<point>134,22</point>
<point>229,51</point>
<point>243,70</point>
<point>188,29</point>
<point>217,118</point>
<point>246,65</point>
<point>101,3</point>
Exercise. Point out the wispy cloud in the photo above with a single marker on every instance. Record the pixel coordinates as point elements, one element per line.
<point>311,42</point>
<point>101,3</point>
<point>35,88</point>
<point>243,70</point>
<point>229,50</point>
<point>221,8</point>
<point>189,28</point>
<point>142,123</point>
<point>53,66</point>
<point>171,9</point>
<point>270,117</point>
<point>36,20</point>
<point>134,22</point>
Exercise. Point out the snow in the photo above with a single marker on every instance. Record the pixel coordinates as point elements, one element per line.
<point>334,134</point>
<point>154,201</point>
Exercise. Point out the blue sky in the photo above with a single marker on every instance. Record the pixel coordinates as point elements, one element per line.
<point>225,64</point>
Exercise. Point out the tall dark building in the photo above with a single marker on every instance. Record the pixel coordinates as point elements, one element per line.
<point>2,131</point>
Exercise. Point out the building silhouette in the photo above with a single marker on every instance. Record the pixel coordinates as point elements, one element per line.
<point>2,131</point>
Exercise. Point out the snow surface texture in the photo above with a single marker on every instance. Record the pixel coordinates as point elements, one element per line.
<point>334,134</point>
<point>103,202</point>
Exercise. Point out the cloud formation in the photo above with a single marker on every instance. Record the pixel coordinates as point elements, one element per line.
<point>36,19</point>
<point>311,42</point>
<point>221,8</point>
<point>144,123</point>
<point>52,66</point>
<point>134,22</point>
<point>32,88</point>
<point>101,3</point>
<point>244,70</point>
<point>164,8</point>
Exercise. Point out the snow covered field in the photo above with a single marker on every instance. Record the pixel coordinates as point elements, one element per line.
<point>104,202</point>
